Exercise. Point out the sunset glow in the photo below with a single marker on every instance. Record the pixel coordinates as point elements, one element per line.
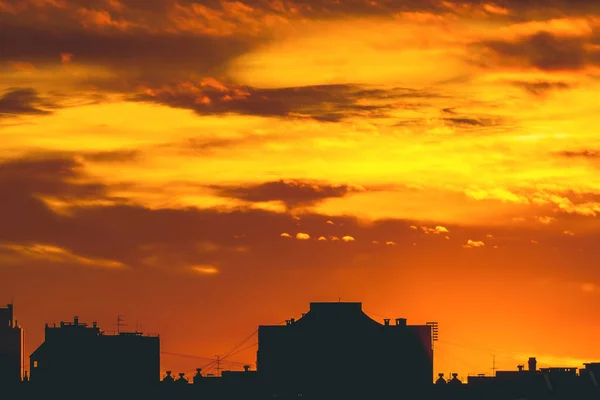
<point>206,166</point>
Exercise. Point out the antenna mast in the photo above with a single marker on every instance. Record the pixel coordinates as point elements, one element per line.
<point>494,366</point>
<point>434,332</point>
<point>218,365</point>
<point>120,323</point>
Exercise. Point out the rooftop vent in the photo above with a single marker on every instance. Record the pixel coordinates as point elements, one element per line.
<point>440,380</point>
<point>168,378</point>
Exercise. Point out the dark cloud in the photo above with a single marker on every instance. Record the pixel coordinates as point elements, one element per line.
<point>148,57</point>
<point>464,121</point>
<point>57,177</point>
<point>542,87</point>
<point>454,117</point>
<point>585,154</point>
<point>294,193</point>
<point>112,156</point>
<point>543,51</point>
<point>322,102</point>
<point>18,101</point>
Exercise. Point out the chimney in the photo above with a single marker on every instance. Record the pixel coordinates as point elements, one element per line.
<point>520,367</point>
<point>386,322</point>
<point>246,368</point>
<point>76,320</point>
<point>94,324</point>
<point>532,364</point>
<point>198,375</point>
<point>400,321</point>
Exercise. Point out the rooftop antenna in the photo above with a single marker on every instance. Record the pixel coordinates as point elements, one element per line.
<point>434,333</point>
<point>120,323</point>
<point>218,365</point>
<point>494,366</point>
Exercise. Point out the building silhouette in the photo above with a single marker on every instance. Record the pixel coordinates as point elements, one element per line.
<point>80,355</point>
<point>336,348</point>
<point>11,348</point>
<point>335,351</point>
<point>542,383</point>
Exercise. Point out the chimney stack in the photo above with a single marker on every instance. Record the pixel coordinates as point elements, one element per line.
<point>386,322</point>
<point>400,321</point>
<point>532,364</point>
<point>76,320</point>
<point>246,368</point>
<point>520,367</point>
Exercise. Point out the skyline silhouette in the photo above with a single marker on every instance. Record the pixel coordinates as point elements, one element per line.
<point>199,167</point>
<point>341,319</point>
<point>333,351</point>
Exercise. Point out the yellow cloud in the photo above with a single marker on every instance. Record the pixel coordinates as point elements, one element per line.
<point>302,236</point>
<point>589,287</point>
<point>473,244</point>
<point>205,269</point>
<point>54,254</point>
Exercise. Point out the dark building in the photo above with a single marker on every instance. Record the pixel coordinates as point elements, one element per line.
<point>534,383</point>
<point>337,348</point>
<point>76,354</point>
<point>591,374</point>
<point>11,348</point>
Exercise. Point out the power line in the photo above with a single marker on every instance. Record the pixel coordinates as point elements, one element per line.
<point>239,344</point>
<point>244,349</point>
<point>207,358</point>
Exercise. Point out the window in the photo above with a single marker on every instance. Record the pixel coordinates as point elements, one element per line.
<point>35,364</point>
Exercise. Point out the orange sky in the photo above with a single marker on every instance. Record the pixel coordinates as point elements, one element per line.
<point>203,167</point>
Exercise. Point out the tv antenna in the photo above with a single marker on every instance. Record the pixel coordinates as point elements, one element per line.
<point>494,366</point>
<point>120,323</point>
<point>434,332</point>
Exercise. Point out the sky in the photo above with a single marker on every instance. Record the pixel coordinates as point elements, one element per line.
<point>204,167</point>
